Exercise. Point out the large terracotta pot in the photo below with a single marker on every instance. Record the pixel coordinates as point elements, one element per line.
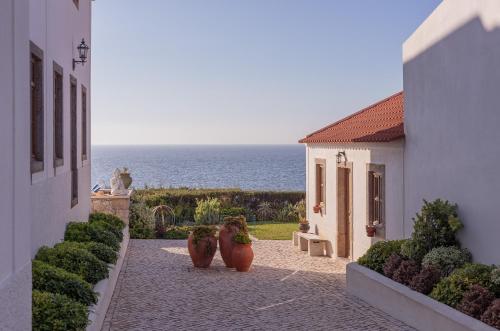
<point>226,244</point>
<point>203,252</point>
<point>242,257</point>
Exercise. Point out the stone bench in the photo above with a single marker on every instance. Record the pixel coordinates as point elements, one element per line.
<point>314,244</point>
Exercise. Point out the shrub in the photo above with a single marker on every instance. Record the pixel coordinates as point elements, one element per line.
<point>242,237</point>
<point>238,222</point>
<point>287,214</point>
<point>475,301</point>
<point>425,281</point>
<point>406,271</point>
<point>112,220</point>
<point>265,211</point>
<point>56,312</point>
<point>85,232</point>
<point>450,290</point>
<point>378,253</point>
<point>102,225</point>
<point>177,232</point>
<point>447,258</point>
<point>392,264</point>
<point>75,260</point>
<point>492,315</point>
<point>48,278</point>
<point>101,251</point>
<point>233,211</point>
<point>495,281</point>
<point>142,233</point>
<point>207,211</point>
<point>434,226</point>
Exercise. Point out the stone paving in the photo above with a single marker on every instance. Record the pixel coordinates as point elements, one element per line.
<point>158,289</point>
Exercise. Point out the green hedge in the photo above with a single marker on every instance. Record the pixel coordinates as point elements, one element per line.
<point>48,278</point>
<point>57,312</point>
<point>378,253</point>
<point>85,232</point>
<point>101,251</point>
<point>113,220</point>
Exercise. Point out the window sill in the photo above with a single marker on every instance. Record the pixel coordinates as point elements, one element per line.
<point>58,163</point>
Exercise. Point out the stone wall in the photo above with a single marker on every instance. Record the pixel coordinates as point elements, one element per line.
<point>104,202</point>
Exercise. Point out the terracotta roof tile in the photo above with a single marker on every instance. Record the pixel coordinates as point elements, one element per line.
<point>380,122</point>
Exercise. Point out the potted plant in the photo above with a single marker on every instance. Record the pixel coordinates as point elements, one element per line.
<point>202,245</point>
<point>125,177</point>
<point>371,230</point>
<point>304,226</point>
<point>232,225</point>
<point>242,255</point>
<point>316,209</point>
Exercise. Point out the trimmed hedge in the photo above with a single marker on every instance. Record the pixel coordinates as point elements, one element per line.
<point>103,225</point>
<point>113,220</point>
<point>101,251</point>
<point>378,253</point>
<point>447,258</point>
<point>75,260</point>
<point>85,232</point>
<point>57,312</point>
<point>48,278</point>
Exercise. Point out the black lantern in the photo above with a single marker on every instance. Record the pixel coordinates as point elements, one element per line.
<point>83,49</point>
<point>340,156</point>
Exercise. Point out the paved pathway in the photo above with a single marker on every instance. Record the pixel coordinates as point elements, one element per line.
<point>158,289</point>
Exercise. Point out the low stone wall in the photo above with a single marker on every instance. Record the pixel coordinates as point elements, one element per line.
<point>117,205</point>
<point>410,307</point>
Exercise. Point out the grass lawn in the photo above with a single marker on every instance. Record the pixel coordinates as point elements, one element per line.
<point>273,231</point>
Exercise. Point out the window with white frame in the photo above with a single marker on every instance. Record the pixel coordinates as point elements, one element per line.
<point>376,194</point>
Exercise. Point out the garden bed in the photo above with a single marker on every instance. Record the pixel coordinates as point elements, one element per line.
<point>410,307</point>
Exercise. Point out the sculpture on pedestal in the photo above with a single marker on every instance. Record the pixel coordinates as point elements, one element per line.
<point>117,186</point>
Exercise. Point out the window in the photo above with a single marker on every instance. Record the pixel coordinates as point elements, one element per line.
<point>76,3</point>
<point>73,134</point>
<point>58,116</point>
<point>320,183</point>
<point>84,123</point>
<point>376,192</point>
<point>37,114</point>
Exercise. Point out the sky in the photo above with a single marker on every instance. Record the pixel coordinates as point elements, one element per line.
<point>241,72</point>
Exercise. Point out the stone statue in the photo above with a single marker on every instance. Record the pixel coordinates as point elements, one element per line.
<point>117,187</point>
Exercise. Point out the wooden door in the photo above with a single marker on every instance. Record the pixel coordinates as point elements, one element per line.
<point>343,212</point>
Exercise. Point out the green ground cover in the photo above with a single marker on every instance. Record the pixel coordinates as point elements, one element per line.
<point>272,231</point>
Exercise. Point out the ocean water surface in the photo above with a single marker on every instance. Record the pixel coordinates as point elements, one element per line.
<point>249,167</point>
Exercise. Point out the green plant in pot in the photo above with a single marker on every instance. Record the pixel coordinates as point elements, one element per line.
<point>202,245</point>
<point>304,225</point>
<point>126,178</point>
<point>232,226</point>
<point>242,255</point>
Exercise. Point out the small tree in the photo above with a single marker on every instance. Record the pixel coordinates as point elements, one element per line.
<point>207,211</point>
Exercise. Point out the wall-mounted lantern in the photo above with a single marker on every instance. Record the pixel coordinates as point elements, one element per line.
<point>83,49</point>
<point>341,157</point>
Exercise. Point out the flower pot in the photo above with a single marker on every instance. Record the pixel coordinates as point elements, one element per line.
<point>226,244</point>
<point>202,253</point>
<point>126,179</point>
<point>316,209</point>
<point>304,227</point>
<point>242,257</point>
<point>370,230</point>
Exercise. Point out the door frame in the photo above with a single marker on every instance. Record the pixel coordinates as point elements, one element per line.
<point>350,226</point>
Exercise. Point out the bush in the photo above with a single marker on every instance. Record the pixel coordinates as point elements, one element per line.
<point>85,232</point>
<point>48,278</point>
<point>434,226</point>
<point>447,258</point>
<point>265,211</point>
<point>142,233</point>
<point>56,312</point>
<point>207,211</point>
<point>177,232</point>
<point>101,251</point>
<point>287,214</point>
<point>450,290</point>
<point>75,260</point>
<point>406,271</point>
<point>112,220</point>
<point>425,281</point>
<point>492,315</point>
<point>495,281</point>
<point>392,264</point>
<point>378,253</point>
<point>233,212</point>
<point>475,301</point>
<point>102,225</point>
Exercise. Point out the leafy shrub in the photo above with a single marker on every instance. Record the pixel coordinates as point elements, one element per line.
<point>56,312</point>
<point>492,315</point>
<point>75,260</point>
<point>425,280</point>
<point>84,232</point>
<point>447,258</point>
<point>392,264</point>
<point>48,278</point>
<point>201,232</point>
<point>142,233</point>
<point>177,232</point>
<point>406,271</point>
<point>207,211</point>
<point>112,220</point>
<point>378,253</point>
<point>101,251</point>
<point>233,211</point>
<point>265,211</point>
<point>495,281</point>
<point>242,237</point>
<point>287,214</point>
<point>102,225</point>
<point>238,222</point>
<point>450,290</point>
<point>434,226</point>
<point>475,301</point>
<point>300,209</point>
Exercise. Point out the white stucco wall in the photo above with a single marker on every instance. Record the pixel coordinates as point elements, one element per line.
<point>15,226</point>
<point>57,27</point>
<point>452,118</point>
<point>360,154</point>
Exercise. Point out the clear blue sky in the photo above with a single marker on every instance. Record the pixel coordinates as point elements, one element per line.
<point>241,72</point>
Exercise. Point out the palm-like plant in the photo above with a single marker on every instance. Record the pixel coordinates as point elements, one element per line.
<point>265,211</point>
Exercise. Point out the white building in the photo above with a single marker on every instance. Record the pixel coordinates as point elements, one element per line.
<point>355,176</point>
<point>44,138</point>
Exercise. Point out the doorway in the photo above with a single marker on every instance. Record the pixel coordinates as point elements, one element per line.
<point>344,210</point>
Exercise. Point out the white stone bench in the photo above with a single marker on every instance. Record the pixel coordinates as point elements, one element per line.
<point>314,244</point>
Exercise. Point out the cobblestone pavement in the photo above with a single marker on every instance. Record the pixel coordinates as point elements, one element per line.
<point>158,289</point>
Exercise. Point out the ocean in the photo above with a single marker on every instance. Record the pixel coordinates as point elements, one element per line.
<point>249,167</point>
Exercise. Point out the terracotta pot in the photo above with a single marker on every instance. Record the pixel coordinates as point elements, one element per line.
<point>242,257</point>
<point>203,252</point>
<point>226,244</point>
<point>316,209</point>
<point>304,227</point>
<point>370,230</point>
<point>126,179</point>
